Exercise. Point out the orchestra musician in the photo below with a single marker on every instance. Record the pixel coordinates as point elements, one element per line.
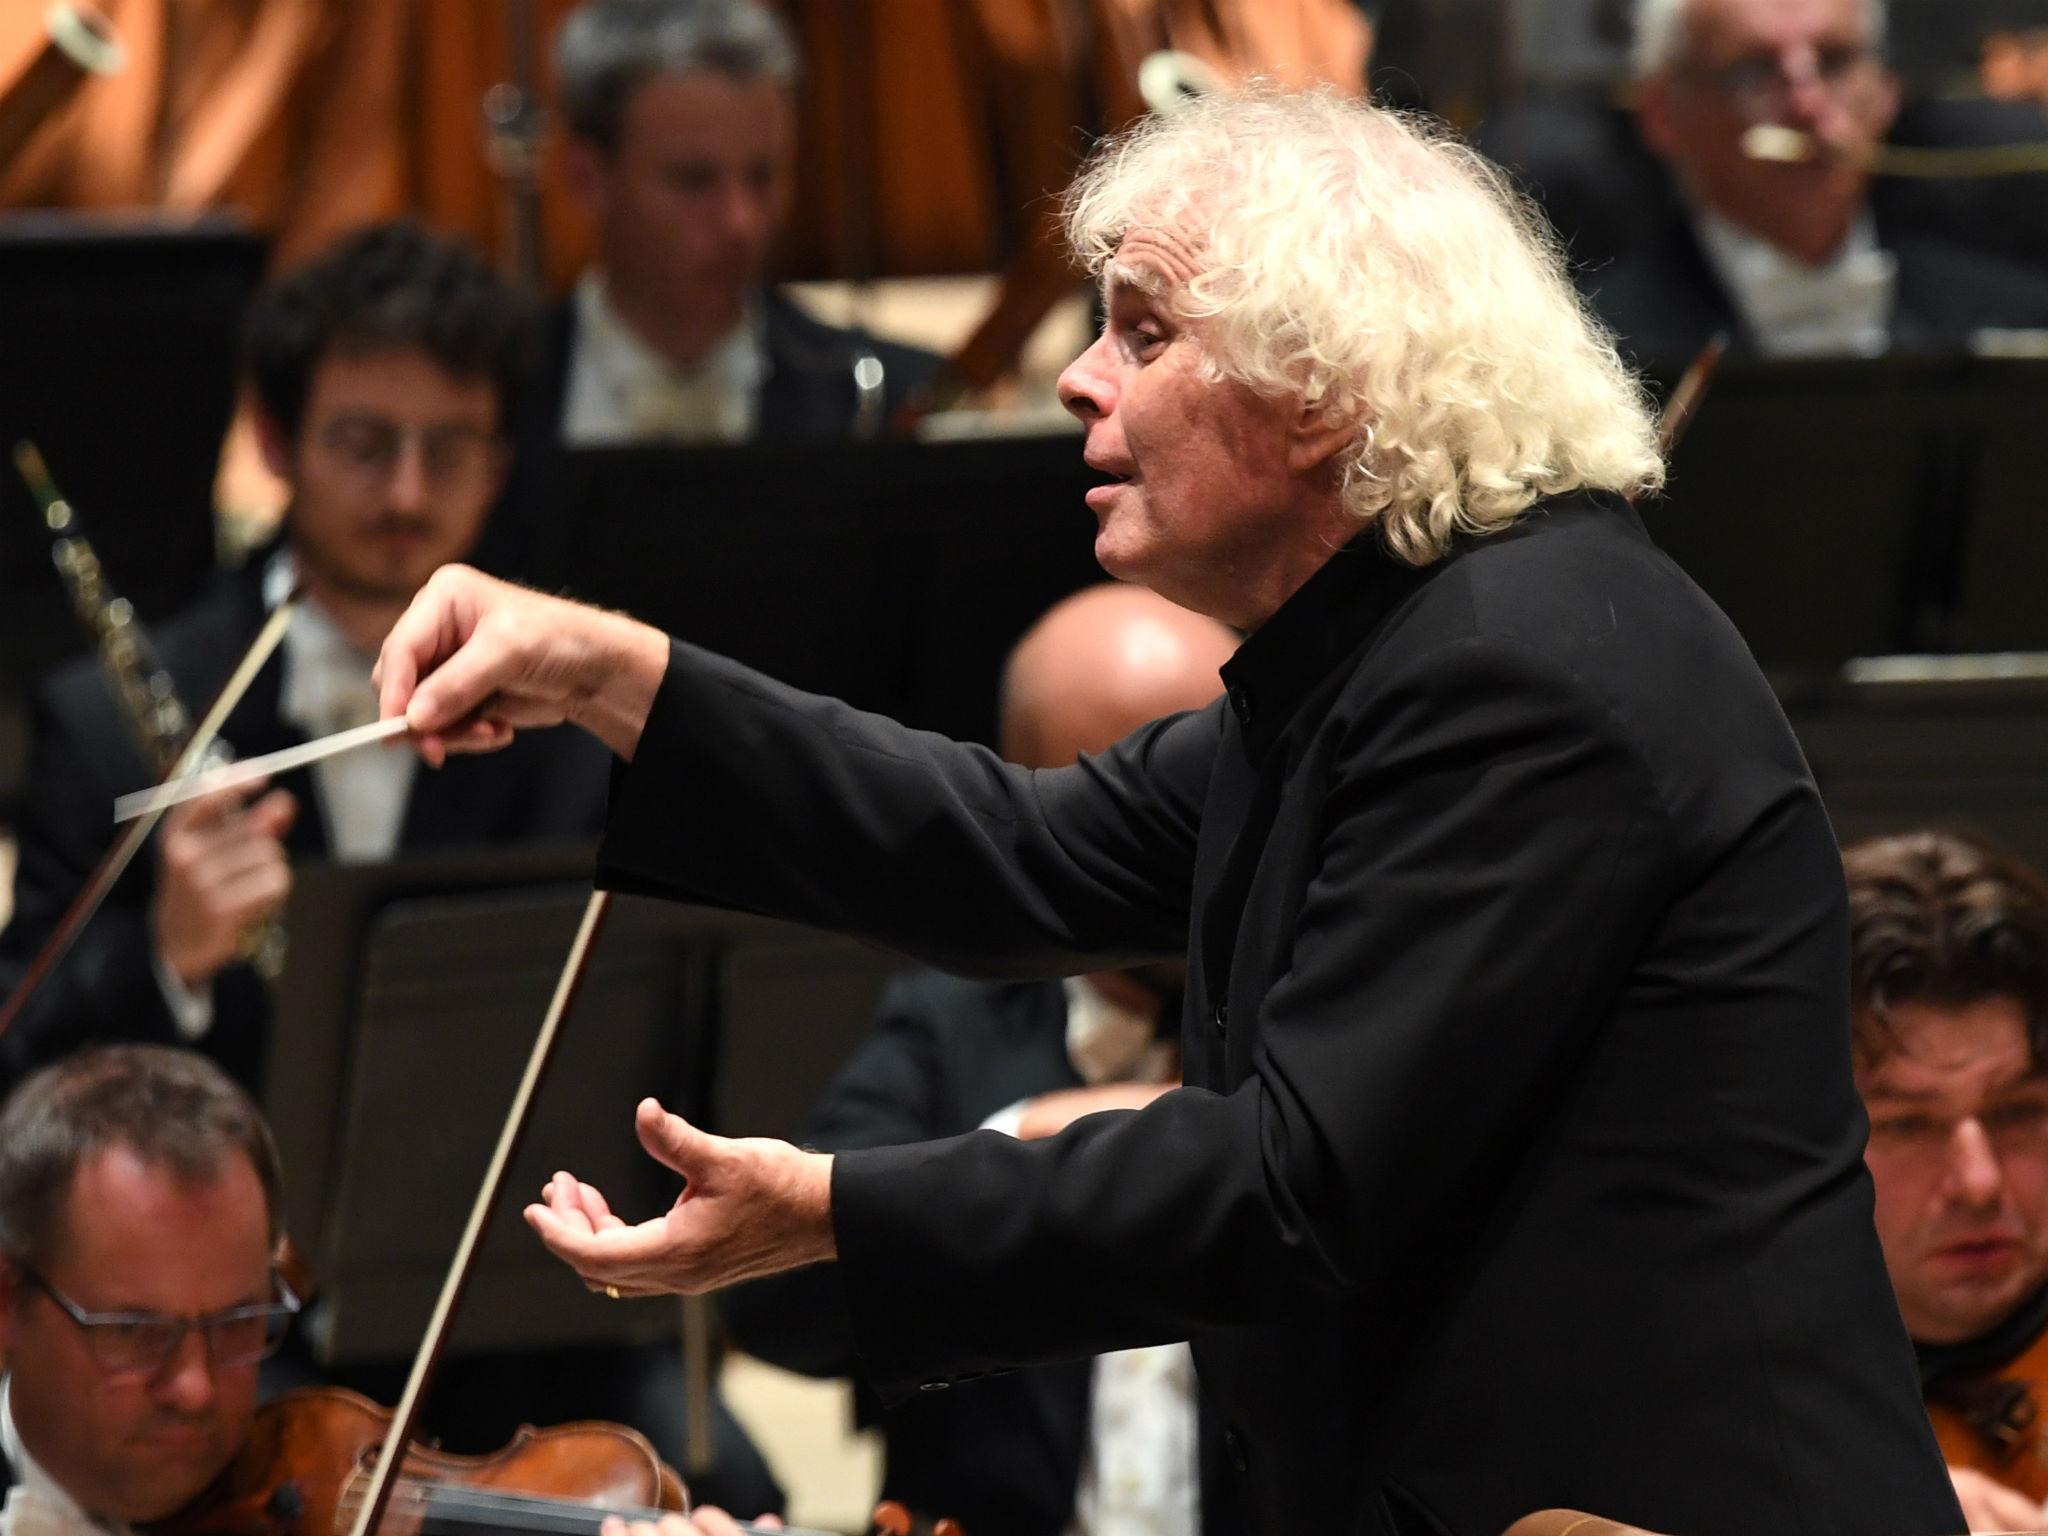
<point>1519,1161</point>
<point>140,1245</point>
<point>383,373</point>
<point>1949,1003</point>
<point>139,1201</point>
<point>682,123</point>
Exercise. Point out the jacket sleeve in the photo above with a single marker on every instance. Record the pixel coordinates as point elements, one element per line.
<point>1492,856</point>
<point>747,794</point>
<point>105,988</point>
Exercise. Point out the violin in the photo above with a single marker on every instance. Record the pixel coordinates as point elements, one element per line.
<point>307,1462</point>
<point>305,1466</point>
<point>1991,1421</point>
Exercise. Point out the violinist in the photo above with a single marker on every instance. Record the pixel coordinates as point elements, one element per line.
<point>139,1201</point>
<point>1950,1018</point>
<point>139,1292</point>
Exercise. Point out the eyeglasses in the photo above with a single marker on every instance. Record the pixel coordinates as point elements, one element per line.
<point>142,1343</point>
<point>1760,87</point>
<point>452,454</point>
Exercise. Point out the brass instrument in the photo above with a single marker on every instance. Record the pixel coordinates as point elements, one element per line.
<point>142,684</point>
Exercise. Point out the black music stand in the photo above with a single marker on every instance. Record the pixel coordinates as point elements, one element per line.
<point>119,362</point>
<point>895,576</point>
<point>409,1001</point>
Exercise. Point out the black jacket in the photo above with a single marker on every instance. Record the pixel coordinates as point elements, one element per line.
<point>1521,1164</point>
<point>1002,1456</point>
<point>83,754</point>
<point>1664,300</point>
<point>808,396</point>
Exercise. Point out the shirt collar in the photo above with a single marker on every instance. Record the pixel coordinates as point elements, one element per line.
<point>1842,306</point>
<point>1326,619</point>
<point>737,363</point>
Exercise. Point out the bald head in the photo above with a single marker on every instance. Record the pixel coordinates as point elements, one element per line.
<point>1100,664</point>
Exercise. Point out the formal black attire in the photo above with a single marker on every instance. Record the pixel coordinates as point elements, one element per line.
<point>1664,300</point>
<point>1521,1163</point>
<point>808,395</point>
<point>1972,251</point>
<point>84,753</point>
<point>1002,1456</point>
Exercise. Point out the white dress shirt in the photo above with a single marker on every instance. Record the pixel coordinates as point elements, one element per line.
<point>1842,308</point>
<point>361,796</point>
<point>1138,1466</point>
<point>620,390</point>
<point>36,1506</point>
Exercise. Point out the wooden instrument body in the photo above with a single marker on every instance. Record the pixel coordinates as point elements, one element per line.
<point>1993,1423</point>
<point>304,1466</point>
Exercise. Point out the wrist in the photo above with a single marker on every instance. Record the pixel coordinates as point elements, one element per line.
<point>625,661</point>
<point>818,1201</point>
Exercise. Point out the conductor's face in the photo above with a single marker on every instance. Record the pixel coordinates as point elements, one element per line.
<point>130,1442</point>
<point>394,468</point>
<point>1959,1154</point>
<point>1206,500</point>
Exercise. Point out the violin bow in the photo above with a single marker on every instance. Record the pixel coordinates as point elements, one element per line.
<point>1691,388</point>
<point>384,1479</point>
<point>117,858</point>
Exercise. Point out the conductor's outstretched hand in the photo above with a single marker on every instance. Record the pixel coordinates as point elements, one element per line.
<point>750,1208</point>
<point>475,659</point>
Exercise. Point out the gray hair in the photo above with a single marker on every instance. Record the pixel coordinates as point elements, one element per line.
<point>608,47</point>
<point>173,1109</point>
<point>1659,40</point>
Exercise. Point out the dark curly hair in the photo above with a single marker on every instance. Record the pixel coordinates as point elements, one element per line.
<point>1941,918</point>
<point>387,287</point>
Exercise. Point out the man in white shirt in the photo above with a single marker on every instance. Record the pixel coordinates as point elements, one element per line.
<point>383,372</point>
<point>1097,1448</point>
<point>139,1197</point>
<point>1786,257</point>
<point>682,146</point>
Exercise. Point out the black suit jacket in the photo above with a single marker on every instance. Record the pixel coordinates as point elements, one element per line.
<point>83,754</point>
<point>808,396</point>
<point>1520,1163</point>
<point>1002,1455</point>
<point>1664,300</point>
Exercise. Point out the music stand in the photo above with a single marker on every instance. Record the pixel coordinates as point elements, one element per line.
<point>409,1000</point>
<point>119,363</point>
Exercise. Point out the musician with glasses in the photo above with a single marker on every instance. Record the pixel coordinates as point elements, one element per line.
<point>385,373</point>
<point>139,1221</point>
<point>1807,258</point>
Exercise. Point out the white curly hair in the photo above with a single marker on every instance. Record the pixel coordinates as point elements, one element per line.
<point>1365,262</point>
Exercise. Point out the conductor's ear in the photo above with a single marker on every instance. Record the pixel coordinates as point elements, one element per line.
<point>1317,437</point>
